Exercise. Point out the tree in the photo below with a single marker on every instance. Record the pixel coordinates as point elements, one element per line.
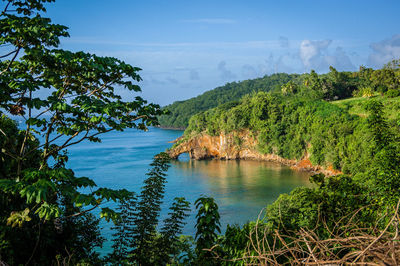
<point>124,228</point>
<point>383,176</point>
<point>289,88</point>
<point>207,226</point>
<point>81,102</point>
<point>62,98</point>
<point>136,239</point>
<point>172,228</point>
<point>148,210</point>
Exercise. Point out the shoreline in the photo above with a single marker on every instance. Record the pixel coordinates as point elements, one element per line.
<point>172,128</point>
<point>303,165</point>
<point>221,147</point>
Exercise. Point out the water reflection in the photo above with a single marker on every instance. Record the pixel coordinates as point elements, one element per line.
<point>241,188</point>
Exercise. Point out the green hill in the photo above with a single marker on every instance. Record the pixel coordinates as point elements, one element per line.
<point>181,111</point>
<point>331,86</point>
<point>355,105</point>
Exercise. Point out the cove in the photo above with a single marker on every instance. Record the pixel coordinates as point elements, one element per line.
<point>241,188</point>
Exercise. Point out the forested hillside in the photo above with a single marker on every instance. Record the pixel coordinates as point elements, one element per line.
<point>181,111</point>
<point>347,218</point>
<point>292,127</point>
<point>303,117</point>
<point>334,85</point>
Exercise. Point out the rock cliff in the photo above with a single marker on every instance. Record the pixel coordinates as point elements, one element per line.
<point>238,145</point>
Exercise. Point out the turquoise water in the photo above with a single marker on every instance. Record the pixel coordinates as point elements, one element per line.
<point>241,188</point>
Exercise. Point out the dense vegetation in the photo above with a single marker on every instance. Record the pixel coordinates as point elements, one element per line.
<point>331,86</point>
<point>291,127</point>
<point>358,136</point>
<point>63,98</point>
<point>181,111</point>
<point>345,218</point>
<point>45,210</point>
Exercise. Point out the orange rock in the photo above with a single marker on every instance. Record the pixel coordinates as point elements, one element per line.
<point>204,146</point>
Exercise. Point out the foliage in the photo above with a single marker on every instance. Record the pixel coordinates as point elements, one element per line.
<point>339,214</point>
<point>61,98</point>
<point>148,209</point>
<point>136,240</point>
<point>181,111</point>
<point>342,245</point>
<point>385,148</point>
<point>291,127</point>
<point>172,229</point>
<point>301,123</point>
<point>356,105</point>
<point>207,227</point>
<point>64,98</point>
<point>123,231</point>
<point>392,93</point>
<point>333,85</point>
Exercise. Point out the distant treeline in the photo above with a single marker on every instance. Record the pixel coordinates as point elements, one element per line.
<point>181,111</point>
<point>331,86</point>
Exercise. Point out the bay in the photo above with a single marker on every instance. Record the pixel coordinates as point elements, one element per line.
<point>241,188</point>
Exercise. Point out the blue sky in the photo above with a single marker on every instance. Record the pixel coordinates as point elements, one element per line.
<point>188,47</point>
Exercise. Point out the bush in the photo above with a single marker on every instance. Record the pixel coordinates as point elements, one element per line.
<point>393,93</point>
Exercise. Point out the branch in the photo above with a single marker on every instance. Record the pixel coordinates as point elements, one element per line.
<point>10,53</point>
<point>47,154</point>
<point>38,147</point>
<point>82,212</point>
<point>46,140</point>
<point>25,139</point>
<point>28,127</point>
<point>12,60</point>
<point>309,249</point>
<point>86,137</point>
<point>2,132</point>
<point>43,112</point>
<point>383,232</point>
<point>5,9</point>
<point>71,138</point>
<point>7,153</point>
<point>36,245</point>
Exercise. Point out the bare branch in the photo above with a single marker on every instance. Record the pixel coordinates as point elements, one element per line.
<point>12,60</point>
<point>10,53</point>
<point>6,7</point>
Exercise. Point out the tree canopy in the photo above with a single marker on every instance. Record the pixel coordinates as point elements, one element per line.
<point>61,98</point>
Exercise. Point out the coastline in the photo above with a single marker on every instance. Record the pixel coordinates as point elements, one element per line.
<point>171,128</point>
<point>223,147</point>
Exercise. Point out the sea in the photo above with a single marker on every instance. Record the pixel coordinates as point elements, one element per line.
<point>241,188</point>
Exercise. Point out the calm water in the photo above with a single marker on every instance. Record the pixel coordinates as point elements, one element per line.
<point>241,188</point>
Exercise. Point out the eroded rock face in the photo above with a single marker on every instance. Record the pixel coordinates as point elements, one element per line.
<point>223,146</point>
<point>239,145</point>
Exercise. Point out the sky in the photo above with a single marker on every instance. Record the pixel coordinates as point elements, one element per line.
<point>188,47</point>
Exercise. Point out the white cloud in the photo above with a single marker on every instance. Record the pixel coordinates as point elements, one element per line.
<point>384,51</point>
<point>319,56</point>
<point>311,52</point>
<point>342,61</point>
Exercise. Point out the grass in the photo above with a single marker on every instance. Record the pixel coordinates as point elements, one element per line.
<point>355,105</point>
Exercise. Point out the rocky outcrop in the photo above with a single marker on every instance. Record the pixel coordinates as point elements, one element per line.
<point>238,145</point>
